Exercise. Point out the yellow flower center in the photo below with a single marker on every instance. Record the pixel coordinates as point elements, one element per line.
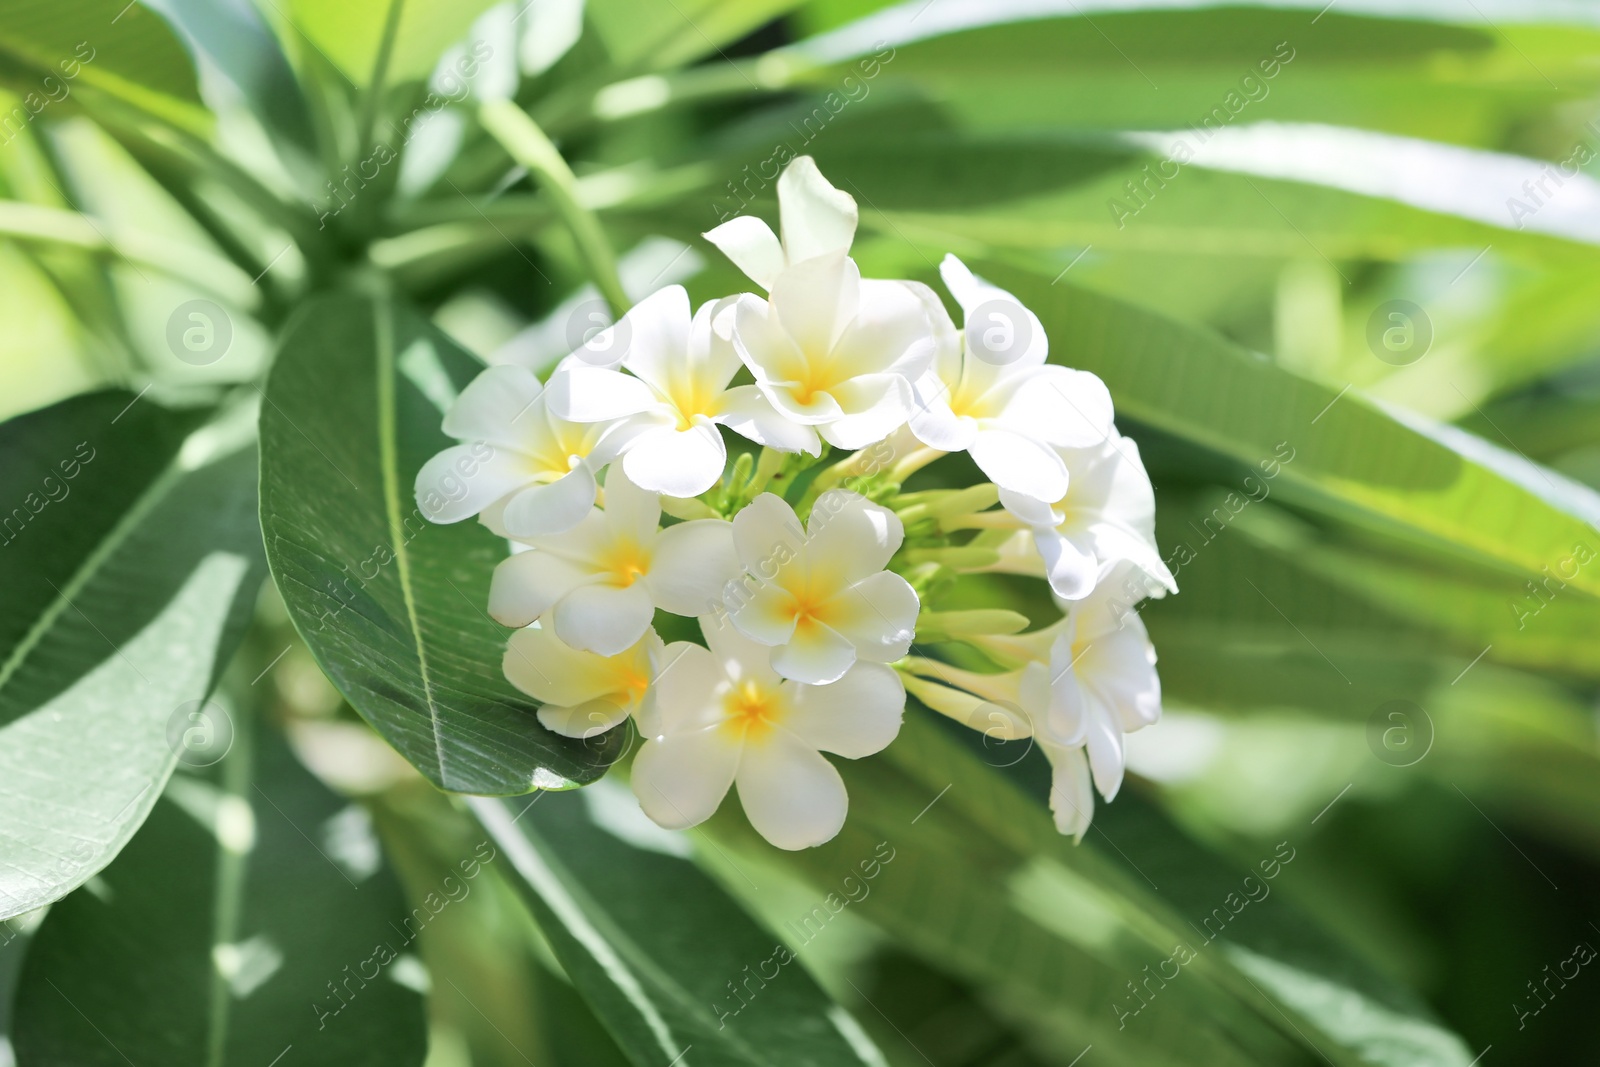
<point>626,563</point>
<point>752,711</point>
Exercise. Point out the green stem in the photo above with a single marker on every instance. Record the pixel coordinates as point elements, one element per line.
<point>45,225</point>
<point>372,99</point>
<point>520,136</point>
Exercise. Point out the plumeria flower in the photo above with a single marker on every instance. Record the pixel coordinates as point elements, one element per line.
<point>821,599</point>
<point>1083,683</point>
<point>601,582</point>
<point>816,219</point>
<point>527,471</point>
<point>725,717</point>
<point>583,693</point>
<point>835,351</point>
<point>990,393</point>
<point>669,407</point>
<point>1106,515</point>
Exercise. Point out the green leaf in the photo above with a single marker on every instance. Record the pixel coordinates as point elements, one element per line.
<point>130,558</point>
<point>350,34</point>
<point>655,947</point>
<point>1058,933</point>
<point>1336,453</point>
<point>392,606</point>
<point>644,33</point>
<point>919,179</point>
<point>123,49</point>
<point>245,920</point>
<point>1163,66</point>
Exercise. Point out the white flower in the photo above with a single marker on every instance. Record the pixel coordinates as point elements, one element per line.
<point>821,599</point>
<point>678,392</point>
<point>602,581</point>
<point>529,472</point>
<point>583,693</point>
<point>991,393</point>
<point>1083,684</point>
<point>1106,515</point>
<point>724,716</point>
<point>835,351</point>
<point>816,219</point>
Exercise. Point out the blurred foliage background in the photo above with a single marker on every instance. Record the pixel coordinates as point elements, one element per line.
<point>1358,238</point>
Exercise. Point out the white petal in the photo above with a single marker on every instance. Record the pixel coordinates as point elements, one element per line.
<point>544,510</point>
<point>677,462</point>
<point>1103,741</point>
<point>1071,799</point>
<point>814,653</point>
<point>687,689</point>
<point>658,341</point>
<point>960,280</point>
<point>878,616</point>
<point>767,534</point>
<point>764,613</point>
<point>816,218</point>
<point>528,584</point>
<point>1064,407</point>
<point>820,410</point>
<point>680,779</point>
<point>1119,671</point>
<point>752,246</point>
<point>631,511</point>
<point>1001,332</point>
<point>552,672</point>
<point>933,422</point>
<point>891,331</point>
<point>742,658</point>
<point>1021,464</point>
<point>583,720</point>
<point>713,361</point>
<point>791,794</point>
<point>816,300</point>
<point>848,537</point>
<point>1031,510</point>
<point>854,717</point>
<point>495,406</point>
<point>658,323</point>
<point>464,479</point>
<point>692,564</point>
<point>873,405</point>
<point>1072,573</point>
<point>746,411</point>
<point>580,393</point>
<point>603,618</point>
<point>759,338</point>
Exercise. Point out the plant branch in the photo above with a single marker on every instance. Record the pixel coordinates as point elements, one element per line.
<point>372,99</point>
<point>528,145</point>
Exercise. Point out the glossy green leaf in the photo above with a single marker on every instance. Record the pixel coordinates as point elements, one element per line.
<point>126,50</point>
<point>249,919</point>
<point>351,34</point>
<point>1337,453</point>
<point>655,947</point>
<point>130,557</point>
<point>919,180</point>
<point>655,35</point>
<point>1060,935</point>
<point>392,606</point>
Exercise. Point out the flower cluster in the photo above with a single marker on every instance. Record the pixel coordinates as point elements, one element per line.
<point>810,580</point>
